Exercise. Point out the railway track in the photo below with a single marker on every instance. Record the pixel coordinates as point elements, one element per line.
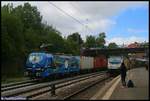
<point>35,90</point>
<point>59,86</point>
<point>79,92</point>
<point>22,89</point>
<point>62,83</point>
<point>17,85</point>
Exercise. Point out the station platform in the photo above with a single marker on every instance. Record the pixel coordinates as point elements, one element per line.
<point>114,90</point>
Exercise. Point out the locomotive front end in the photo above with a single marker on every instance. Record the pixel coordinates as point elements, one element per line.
<point>37,65</point>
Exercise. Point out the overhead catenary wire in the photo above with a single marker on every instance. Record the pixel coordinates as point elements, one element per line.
<point>77,10</point>
<point>69,15</point>
<point>86,26</point>
<point>74,7</point>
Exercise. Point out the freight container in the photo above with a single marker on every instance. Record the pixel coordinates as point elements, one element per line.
<point>86,63</point>
<point>105,62</point>
<point>100,62</point>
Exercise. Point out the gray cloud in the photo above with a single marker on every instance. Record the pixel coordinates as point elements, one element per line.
<point>96,15</point>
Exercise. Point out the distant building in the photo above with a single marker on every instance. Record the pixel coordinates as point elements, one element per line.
<point>133,45</point>
<point>136,45</point>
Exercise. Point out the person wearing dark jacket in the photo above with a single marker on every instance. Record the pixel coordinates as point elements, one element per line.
<point>123,73</point>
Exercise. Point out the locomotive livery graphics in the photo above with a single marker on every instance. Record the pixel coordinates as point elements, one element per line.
<point>42,65</point>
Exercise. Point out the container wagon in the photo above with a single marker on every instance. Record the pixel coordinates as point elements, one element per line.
<point>100,63</point>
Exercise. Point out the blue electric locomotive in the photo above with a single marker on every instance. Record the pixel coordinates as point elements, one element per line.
<point>42,65</point>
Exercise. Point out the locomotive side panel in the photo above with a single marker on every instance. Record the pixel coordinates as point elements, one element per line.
<point>66,64</point>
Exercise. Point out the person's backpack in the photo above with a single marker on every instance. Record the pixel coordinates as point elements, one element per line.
<point>130,84</point>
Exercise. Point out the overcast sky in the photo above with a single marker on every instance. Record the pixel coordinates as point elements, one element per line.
<point>123,22</point>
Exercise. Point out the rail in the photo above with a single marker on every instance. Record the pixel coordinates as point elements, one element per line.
<point>85,88</point>
<point>53,86</point>
<point>17,83</point>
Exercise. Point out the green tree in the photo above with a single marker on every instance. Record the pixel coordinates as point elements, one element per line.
<point>75,41</point>
<point>76,38</point>
<point>23,32</point>
<point>112,45</point>
<point>30,16</point>
<point>101,40</point>
<point>53,36</point>
<point>12,40</point>
<point>144,44</point>
<point>90,41</point>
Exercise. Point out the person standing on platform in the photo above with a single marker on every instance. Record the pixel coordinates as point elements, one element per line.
<point>123,71</point>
